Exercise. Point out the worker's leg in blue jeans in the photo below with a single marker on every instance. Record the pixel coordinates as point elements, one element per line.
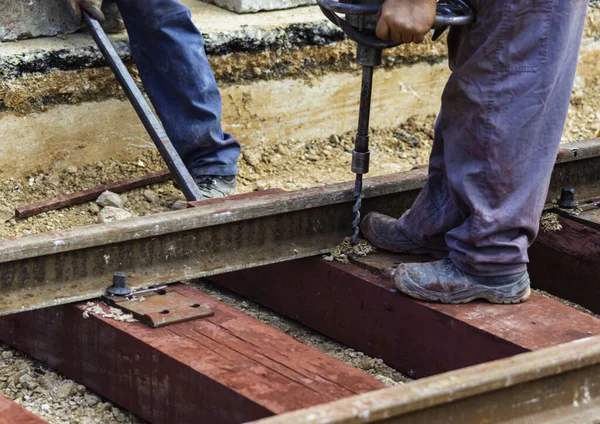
<point>169,52</point>
<point>497,136</point>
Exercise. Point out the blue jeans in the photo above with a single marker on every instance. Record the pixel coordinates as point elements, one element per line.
<point>169,52</point>
<point>498,133</point>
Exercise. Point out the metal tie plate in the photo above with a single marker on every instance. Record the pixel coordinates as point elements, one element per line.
<point>160,307</point>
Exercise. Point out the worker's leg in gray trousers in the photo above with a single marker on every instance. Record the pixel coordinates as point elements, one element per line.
<point>503,112</point>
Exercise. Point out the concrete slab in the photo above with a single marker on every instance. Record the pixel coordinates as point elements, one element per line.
<point>224,32</point>
<point>21,19</point>
<point>249,6</point>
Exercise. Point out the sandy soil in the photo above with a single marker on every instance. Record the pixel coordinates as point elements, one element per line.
<point>290,165</point>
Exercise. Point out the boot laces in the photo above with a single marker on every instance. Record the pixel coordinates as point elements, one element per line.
<point>448,263</point>
<point>207,181</point>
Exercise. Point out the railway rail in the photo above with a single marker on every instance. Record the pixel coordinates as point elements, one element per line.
<point>534,362</point>
<point>555,385</point>
<point>220,236</point>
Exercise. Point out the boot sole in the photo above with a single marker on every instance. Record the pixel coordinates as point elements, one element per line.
<point>490,297</point>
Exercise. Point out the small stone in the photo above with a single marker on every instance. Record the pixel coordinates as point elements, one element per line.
<point>252,158</point>
<point>179,205</point>
<point>111,214</point>
<point>6,215</point>
<point>108,198</point>
<point>94,208</point>
<point>245,304</point>
<point>386,380</point>
<point>7,354</point>
<point>257,71</point>
<point>260,186</point>
<point>72,169</point>
<point>48,381</point>
<point>65,390</point>
<point>91,400</point>
<point>28,382</point>
<point>45,407</point>
<point>150,196</point>
<point>80,389</point>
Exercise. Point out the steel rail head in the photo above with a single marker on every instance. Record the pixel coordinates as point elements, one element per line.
<point>154,128</point>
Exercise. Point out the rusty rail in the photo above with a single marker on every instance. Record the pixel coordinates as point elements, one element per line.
<point>556,385</point>
<point>242,232</point>
<point>83,196</point>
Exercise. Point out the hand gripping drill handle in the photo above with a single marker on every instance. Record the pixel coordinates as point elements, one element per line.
<point>449,13</point>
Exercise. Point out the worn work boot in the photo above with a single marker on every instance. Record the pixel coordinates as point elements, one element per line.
<point>381,231</point>
<point>113,21</point>
<point>213,186</point>
<point>442,281</point>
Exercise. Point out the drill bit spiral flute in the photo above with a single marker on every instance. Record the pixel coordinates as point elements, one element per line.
<point>359,25</point>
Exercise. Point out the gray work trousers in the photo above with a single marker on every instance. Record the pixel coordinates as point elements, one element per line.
<point>498,133</point>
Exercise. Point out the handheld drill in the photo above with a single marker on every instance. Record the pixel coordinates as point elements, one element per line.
<point>360,21</point>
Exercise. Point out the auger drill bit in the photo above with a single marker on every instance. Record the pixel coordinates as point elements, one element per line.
<point>368,57</point>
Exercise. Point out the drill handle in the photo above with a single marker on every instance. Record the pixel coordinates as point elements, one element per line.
<point>449,13</point>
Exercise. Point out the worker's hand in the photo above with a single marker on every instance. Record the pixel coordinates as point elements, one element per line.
<point>93,7</point>
<point>406,21</point>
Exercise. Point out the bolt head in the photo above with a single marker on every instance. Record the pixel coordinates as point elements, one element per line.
<point>119,287</point>
<point>567,198</point>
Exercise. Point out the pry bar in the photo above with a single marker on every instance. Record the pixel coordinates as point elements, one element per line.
<point>154,128</point>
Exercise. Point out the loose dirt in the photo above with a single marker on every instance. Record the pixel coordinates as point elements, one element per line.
<point>290,165</point>
<point>345,251</point>
<point>550,223</point>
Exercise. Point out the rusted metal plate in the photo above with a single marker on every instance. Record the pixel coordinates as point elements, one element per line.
<point>555,385</point>
<point>592,215</point>
<point>77,264</point>
<point>90,194</point>
<point>160,308</point>
<point>587,213</point>
<point>227,368</point>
